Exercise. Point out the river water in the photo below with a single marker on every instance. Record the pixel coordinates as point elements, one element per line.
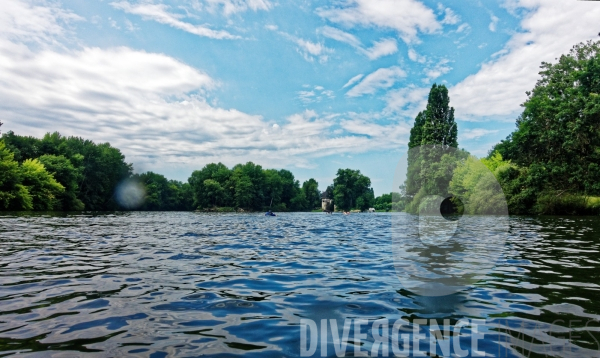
<point>191,284</point>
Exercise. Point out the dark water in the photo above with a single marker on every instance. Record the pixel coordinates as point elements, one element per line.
<point>187,284</point>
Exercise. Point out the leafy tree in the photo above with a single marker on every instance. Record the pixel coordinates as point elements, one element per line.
<point>328,193</point>
<point>69,177</point>
<point>476,188</point>
<point>214,191</point>
<point>13,194</point>
<point>22,147</point>
<point>164,194</point>
<point>102,166</point>
<point>430,158</point>
<point>249,186</point>
<point>273,188</point>
<point>244,191</point>
<point>310,188</point>
<point>439,126</point>
<point>299,202</point>
<point>351,189</point>
<point>217,172</point>
<point>383,202</point>
<point>555,147</point>
<point>42,186</point>
<point>416,132</point>
<point>290,189</point>
<point>434,126</point>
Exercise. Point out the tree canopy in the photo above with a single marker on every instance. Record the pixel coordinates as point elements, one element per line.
<point>555,149</point>
<point>351,189</point>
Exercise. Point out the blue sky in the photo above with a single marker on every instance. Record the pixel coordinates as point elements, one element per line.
<point>311,86</point>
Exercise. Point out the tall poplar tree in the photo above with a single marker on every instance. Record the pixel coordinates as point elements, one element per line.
<point>435,126</point>
<point>439,126</point>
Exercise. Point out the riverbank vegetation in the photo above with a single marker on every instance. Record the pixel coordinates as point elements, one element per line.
<point>551,162</point>
<point>72,174</point>
<point>549,165</point>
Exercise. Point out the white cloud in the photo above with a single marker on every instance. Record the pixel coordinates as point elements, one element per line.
<point>308,49</point>
<point>494,23</point>
<point>440,68</point>
<point>475,133</point>
<point>547,31</point>
<point>312,48</point>
<point>466,28</point>
<point>450,18</point>
<point>306,96</point>
<point>407,17</point>
<point>328,93</point>
<point>381,48</point>
<point>24,21</point>
<point>153,107</point>
<point>407,101</point>
<point>235,6</point>
<point>380,79</point>
<point>316,95</point>
<point>414,56</point>
<point>353,80</point>
<point>272,27</point>
<point>130,26</point>
<point>341,36</point>
<point>160,14</point>
<point>114,24</point>
<point>397,133</point>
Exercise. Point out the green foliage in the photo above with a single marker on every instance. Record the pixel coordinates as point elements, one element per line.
<point>40,184</point>
<point>250,187</point>
<point>101,166</point>
<point>328,193</point>
<point>13,195</point>
<point>218,173</point>
<point>163,194</point>
<point>68,176</point>
<point>400,199</point>
<point>310,189</point>
<point>439,126</point>
<point>352,190</point>
<point>416,132</point>
<point>475,189</point>
<point>432,170</point>
<point>435,126</point>
<point>555,148</point>
<point>383,202</point>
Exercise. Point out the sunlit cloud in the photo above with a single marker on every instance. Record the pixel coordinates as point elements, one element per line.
<point>407,17</point>
<point>382,78</point>
<point>160,13</point>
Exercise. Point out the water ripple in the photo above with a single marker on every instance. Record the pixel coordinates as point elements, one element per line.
<point>189,284</point>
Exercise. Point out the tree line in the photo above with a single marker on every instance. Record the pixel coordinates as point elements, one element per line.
<point>549,165</point>
<point>72,174</point>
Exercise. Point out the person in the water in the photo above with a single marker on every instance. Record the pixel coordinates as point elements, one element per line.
<point>270,213</point>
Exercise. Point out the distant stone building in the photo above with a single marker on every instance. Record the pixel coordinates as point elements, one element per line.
<point>326,203</point>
